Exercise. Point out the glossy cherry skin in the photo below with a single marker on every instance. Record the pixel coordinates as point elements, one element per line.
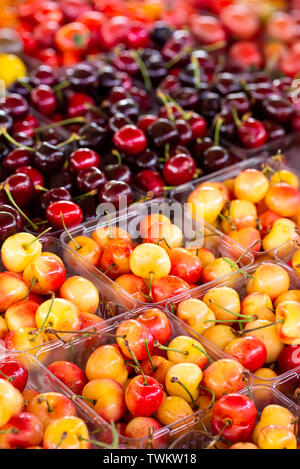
<point>289,358</point>
<point>179,169</point>
<point>44,99</point>
<point>150,181</point>
<point>158,324</point>
<point>89,179</point>
<point>240,413</point>
<point>13,211</point>
<point>16,158</point>
<point>215,157</point>
<point>70,374</point>
<point>83,158</point>
<point>16,372</point>
<point>252,133</point>
<point>47,158</point>
<point>278,108</point>
<point>21,188</point>
<point>15,105</point>
<point>36,177</point>
<point>249,351</point>
<point>71,213</point>
<point>116,193</point>
<point>130,139</point>
<point>54,195</point>
<point>162,132</point>
<point>119,173</point>
<point>143,400</point>
<point>8,225</point>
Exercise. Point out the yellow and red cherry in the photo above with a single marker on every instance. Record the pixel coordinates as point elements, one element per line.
<point>82,293</point>
<point>70,374</point>
<point>158,324</point>
<point>45,273</point>
<point>143,396</point>
<point>106,397</point>
<point>106,362</point>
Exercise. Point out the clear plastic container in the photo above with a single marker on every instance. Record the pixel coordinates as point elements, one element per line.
<point>81,346</point>
<point>181,193</point>
<point>196,434</point>
<point>113,300</point>
<point>284,254</point>
<point>209,237</point>
<point>238,282</point>
<point>288,383</point>
<point>41,380</point>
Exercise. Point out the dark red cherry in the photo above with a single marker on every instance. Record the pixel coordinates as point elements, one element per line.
<point>47,158</point>
<point>278,108</point>
<point>127,107</point>
<point>6,120</point>
<point>117,193</point>
<point>15,105</point>
<point>273,129</point>
<point>252,133</point>
<point>150,181</point>
<point>162,132</point>
<point>92,136</point>
<point>78,104</point>
<point>186,98</point>
<point>16,158</point>
<point>54,195</point>
<point>125,62</point>
<point>161,32</point>
<point>148,159</point>
<point>8,225</point>
<point>21,188</point>
<point>44,99</point>
<point>238,101</point>
<point>117,121</point>
<point>216,158</point>
<point>184,131</point>
<point>118,173</point>
<point>83,158</point>
<point>198,125</point>
<point>36,177</point>
<point>14,212</point>
<point>82,77</point>
<point>226,83</point>
<point>145,120</point>
<point>130,139</point>
<point>62,179</point>
<point>289,358</point>
<point>179,169</point>
<point>89,179</point>
<point>43,75</point>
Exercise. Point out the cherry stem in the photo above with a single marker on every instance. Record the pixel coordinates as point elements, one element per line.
<point>215,46</point>
<point>9,378</point>
<point>112,266</point>
<point>184,114</point>
<point>41,188</point>
<point>228,320</point>
<point>72,138</point>
<point>150,286</point>
<point>166,103</point>
<point>62,438</point>
<point>185,50</point>
<point>143,69</point>
<point>245,381</point>
<point>117,154</point>
<point>3,131</point>
<point>217,131</point>
<point>78,396</point>
<point>167,151</point>
<point>246,316</point>
<point>73,120</point>
<point>48,313</point>
<point>163,239</point>
<point>68,232</point>
<point>61,86</point>
<point>136,361</point>
<point>261,327</point>
<point>87,194</point>
<point>26,245</point>
<point>233,265</point>
<point>174,379</point>
<point>196,70</point>
<point>258,241</point>
<point>154,368</point>
<point>96,110</point>
<point>13,430</point>
<point>12,201</point>
<point>204,353</point>
<point>163,347</point>
<point>218,436</point>
<point>229,220</point>
<point>33,281</point>
<point>236,118</point>
<point>212,393</point>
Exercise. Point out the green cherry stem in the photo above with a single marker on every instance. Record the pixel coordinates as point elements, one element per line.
<point>62,438</point>
<point>12,201</point>
<point>211,392</point>
<point>136,361</point>
<point>196,70</point>
<point>235,267</point>
<point>13,430</point>
<point>27,245</point>
<point>154,368</point>
<point>68,232</point>
<point>73,120</point>
<point>143,69</point>
<point>9,378</point>
<point>176,380</point>
<point>166,103</point>
<point>245,316</point>
<point>93,402</point>
<point>3,131</point>
<point>218,436</point>
<point>261,327</point>
<point>163,347</point>
<point>204,353</point>
<point>217,131</point>
<point>48,313</point>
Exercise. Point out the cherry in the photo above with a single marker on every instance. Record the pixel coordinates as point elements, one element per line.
<point>130,139</point>
<point>127,107</point>
<point>89,179</point>
<point>162,132</point>
<point>184,131</point>
<point>8,225</point>
<point>92,136</point>
<point>15,105</point>
<point>15,372</point>
<point>53,195</point>
<point>210,104</point>
<point>118,173</point>
<point>251,132</point>
<point>78,104</point>
<point>239,101</point>
<point>116,94</point>
<point>21,189</point>
<point>62,179</point>
<point>125,62</point>
<point>44,99</point>
<point>148,159</point>
<point>278,108</point>
<point>43,75</point>
<point>115,193</point>
<point>161,32</point>
<point>27,125</point>
<point>83,158</point>
<point>198,125</point>
<point>137,36</point>
<point>64,209</point>
<point>150,181</point>
<point>289,358</point>
<point>36,177</point>
<point>226,83</point>
<point>179,169</point>
<point>16,158</point>
<point>14,212</point>
<point>273,129</point>
<point>6,120</point>
<point>117,121</point>
<point>82,77</point>
<point>47,158</point>
<point>108,78</point>
<point>179,40</point>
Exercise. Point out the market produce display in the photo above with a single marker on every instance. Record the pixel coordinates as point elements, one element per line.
<point>149,224</point>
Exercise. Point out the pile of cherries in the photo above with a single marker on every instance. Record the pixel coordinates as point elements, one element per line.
<point>42,420</point>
